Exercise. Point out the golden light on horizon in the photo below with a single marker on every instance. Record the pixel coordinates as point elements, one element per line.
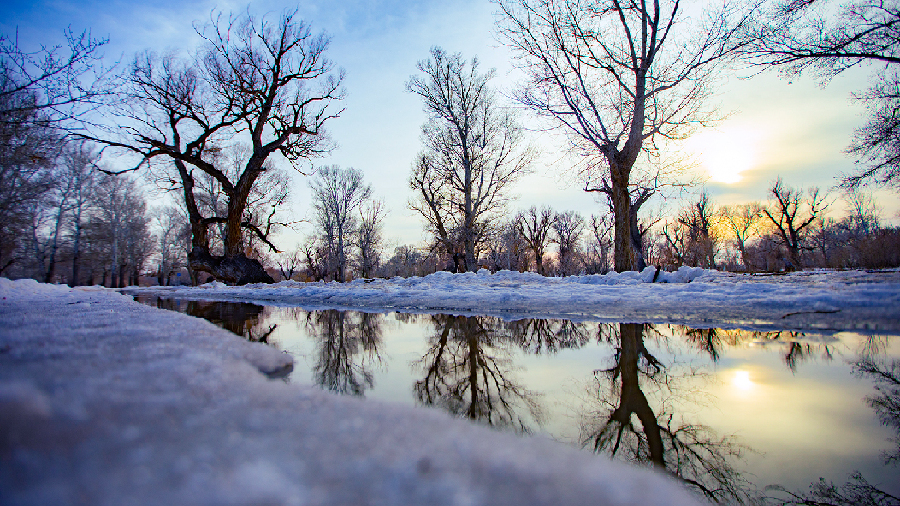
<point>725,154</point>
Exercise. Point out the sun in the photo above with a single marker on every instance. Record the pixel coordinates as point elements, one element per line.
<point>725,154</point>
<point>741,381</point>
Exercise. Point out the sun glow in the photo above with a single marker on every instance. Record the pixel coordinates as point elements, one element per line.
<point>725,154</point>
<point>742,381</point>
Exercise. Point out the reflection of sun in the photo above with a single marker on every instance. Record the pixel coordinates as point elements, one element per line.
<point>725,154</point>
<point>742,381</point>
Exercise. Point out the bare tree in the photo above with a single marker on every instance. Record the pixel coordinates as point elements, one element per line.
<point>80,164</point>
<point>534,226</point>
<point>369,238</point>
<point>39,89</point>
<point>472,152</point>
<point>615,77</point>
<point>289,263</point>
<point>791,214</point>
<point>269,84</point>
<point>742,221</point>
<point>60,81</point>
<point>567,229</point>
<point>121,222</point>
<point>507,248</point>
<point>700,241</point>
<point>28,149</point>
<point>337,196</point>
<point>814,34</point>
<point>599,244</point>
<point>173,239</point>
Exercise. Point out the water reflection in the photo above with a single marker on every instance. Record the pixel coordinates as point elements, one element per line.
<point>468,372</point>
<point>241,318</point>
<point>886,401</point>
<point>643,406</point>
<point>624,424</point>
<point>536,336</point>
<point>346,349</point>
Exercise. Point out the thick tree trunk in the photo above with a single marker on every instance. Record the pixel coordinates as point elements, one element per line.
<point>623,254</point>
<point>237,269</point>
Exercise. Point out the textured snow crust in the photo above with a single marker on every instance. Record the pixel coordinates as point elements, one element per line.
<point>822,300</point>
<point>105,401</point>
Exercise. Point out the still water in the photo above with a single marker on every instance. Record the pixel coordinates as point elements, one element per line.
<point>730,412</point>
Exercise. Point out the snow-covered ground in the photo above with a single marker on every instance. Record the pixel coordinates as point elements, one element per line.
<point>822,300</point>
<point>106,401</point>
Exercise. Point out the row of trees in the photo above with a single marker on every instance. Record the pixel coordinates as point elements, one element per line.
<point>790,231</point>
<point>85,227</point>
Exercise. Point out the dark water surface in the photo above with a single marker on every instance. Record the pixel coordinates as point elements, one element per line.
<point>728,411</point>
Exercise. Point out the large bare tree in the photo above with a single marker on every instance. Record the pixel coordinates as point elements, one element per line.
<point>791,213</point>
<point>338,194</point>
<point>534,226</point>
<point>473,152</point>
<point>267,85</point>
<point>615,76</point>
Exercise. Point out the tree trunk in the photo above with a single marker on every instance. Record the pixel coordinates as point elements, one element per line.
<point>623,254</point>
<point>237,269</point>
<point>76,251</point>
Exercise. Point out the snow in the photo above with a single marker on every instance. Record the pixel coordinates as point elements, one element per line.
<point>106,401</point>
<point>821,300</point>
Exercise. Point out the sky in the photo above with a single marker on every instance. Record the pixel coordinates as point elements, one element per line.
<point>773,127</point>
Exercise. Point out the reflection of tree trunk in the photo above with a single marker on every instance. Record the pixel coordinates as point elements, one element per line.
<point>465,375</point>
<point>472,341</point>
<point>632,398</point>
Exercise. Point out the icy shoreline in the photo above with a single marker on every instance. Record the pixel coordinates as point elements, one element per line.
<point>810,300</point>
<point>106,401</point>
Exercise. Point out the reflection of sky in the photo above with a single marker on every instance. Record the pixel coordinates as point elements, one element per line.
<point>799,425</point>
<point>815,419</point>
<point>800,129</point>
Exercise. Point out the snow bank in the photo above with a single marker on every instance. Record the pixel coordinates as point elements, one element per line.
<point>821,300</point>
<point>106,401</point>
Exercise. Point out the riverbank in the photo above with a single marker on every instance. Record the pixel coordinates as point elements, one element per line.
<point>106,401</point>
<point>822,300</point>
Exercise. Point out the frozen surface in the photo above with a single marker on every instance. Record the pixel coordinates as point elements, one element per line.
<point>105,401</point>
<point>823,300</point>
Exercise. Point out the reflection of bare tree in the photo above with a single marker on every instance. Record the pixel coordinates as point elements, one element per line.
<point>856,492</point>
<point>347,344</point>
<point>548,336</point>
<point>886,403</point>
<point>711,341</point>
<point>467,373</point>
<point>692,453</point>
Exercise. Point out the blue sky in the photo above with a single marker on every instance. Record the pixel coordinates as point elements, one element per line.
<point>797,130</point>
